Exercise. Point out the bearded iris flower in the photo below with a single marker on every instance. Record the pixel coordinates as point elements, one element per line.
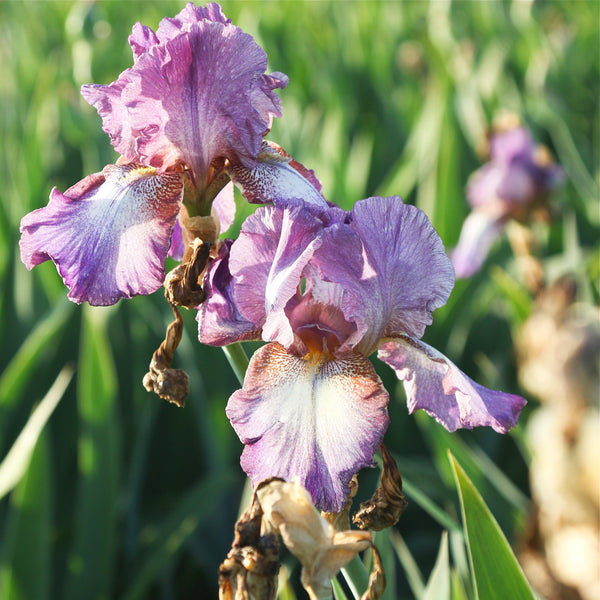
<point>327,288</point>
<point>516,180</point>
<point>188,116</point>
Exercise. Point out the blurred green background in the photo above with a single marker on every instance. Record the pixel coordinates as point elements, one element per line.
<point>129,497</point>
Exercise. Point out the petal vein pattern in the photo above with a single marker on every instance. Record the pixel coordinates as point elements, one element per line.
<point>435,384</point>
<point>108,235</point>
<point>318,420</point>
<point>197,91</point>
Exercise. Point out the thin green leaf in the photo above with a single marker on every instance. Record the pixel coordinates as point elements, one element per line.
<point>457,588</point>
<point>356,576</point>
<point>338,591</point>
<point>42,339</point>
<point>429,506</point>
<point>15,464</point>
<point>413,573</point>
<point>91,561</point>
<point>477,464</point>
<point>496,572</point>
<point>518,299</point>
<point>438,586</point>
<point>25,566</point>
<point>194,508</point>
<point>381,539</point>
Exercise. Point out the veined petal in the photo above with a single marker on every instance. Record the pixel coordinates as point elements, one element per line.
<point>320,421</point>
<point>219,321</point>
<point>479,231</point>
<point>399,278</point>
<point>277,177</point>
<point>174,106</point>
<point>143,38</point>
<point>435,384</point>
<point>267,261</point>
<point>108,235</point>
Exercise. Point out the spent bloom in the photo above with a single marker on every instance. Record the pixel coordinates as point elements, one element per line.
<point>516,180</point>
<point>327,288</point>
<point>188,116</point>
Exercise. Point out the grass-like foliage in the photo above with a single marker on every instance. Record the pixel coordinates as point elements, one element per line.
<point>124,496</point>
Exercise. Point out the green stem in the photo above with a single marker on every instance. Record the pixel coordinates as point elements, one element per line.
<point>356,576</point>
<point>236,355</point>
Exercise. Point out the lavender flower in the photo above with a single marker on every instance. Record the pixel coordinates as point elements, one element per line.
<point>517,179</point>
<point>190,114</point>
<point>327,288</point>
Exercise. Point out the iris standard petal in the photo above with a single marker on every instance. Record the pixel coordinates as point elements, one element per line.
<point>404,274</point>
<point>479,231</point>
<point>277,177</point>
<point>196,96</point>
<point>318,421</point>
<point>435,384</point>
<point>108,235</point>
<point>267,260</point>
<point>219,320</point>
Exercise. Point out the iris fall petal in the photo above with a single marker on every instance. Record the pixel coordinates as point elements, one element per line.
<point>320,421</point>
<point>435,384</point>
<point>108,235</point>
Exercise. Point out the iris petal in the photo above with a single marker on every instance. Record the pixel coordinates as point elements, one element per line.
<point>267,261</point>
<point>277,177</point>
<point>318,421</point>
<point>108,235</point>
<point>398,278</point>
<point>480,230</point>
<point>435,384</point>
<point>219,320</point>
<point>199,94</point>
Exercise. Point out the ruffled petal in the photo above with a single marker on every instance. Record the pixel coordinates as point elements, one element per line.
<point>108,235</point>
<point>267,260</point>
<point>219,321</point>
<point>199,94</point>
<point>277,177</point>
<point>319,421</point>
<point>401,275</point>
<point>479,231</point>
<point>435,384</point>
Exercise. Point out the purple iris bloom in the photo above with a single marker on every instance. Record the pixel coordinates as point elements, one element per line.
<point>327,288</point>
<point>195,105</point>
<point>517,179</point>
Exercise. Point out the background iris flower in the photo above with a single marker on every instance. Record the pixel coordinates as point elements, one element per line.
<point>516,180</point>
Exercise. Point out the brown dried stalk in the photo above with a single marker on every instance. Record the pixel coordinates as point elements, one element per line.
<point>250,570</point>
<point>183,287</point>
<point>387,503</point>
<point>169,384</point>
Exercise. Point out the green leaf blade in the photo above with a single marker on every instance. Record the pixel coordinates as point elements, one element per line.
<point>496,572</point>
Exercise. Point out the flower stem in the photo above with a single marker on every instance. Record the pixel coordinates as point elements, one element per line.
<point>356,576</point>
<point>236,355</point>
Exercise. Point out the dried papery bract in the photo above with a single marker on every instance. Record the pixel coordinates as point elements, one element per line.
<point>169,384</point>
<point>250,570</point>
<point>388,503</point>
<point>183,287</point>
<point>322,551</point>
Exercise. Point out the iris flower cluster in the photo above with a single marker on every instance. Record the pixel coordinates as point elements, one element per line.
<point>323,287</point>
